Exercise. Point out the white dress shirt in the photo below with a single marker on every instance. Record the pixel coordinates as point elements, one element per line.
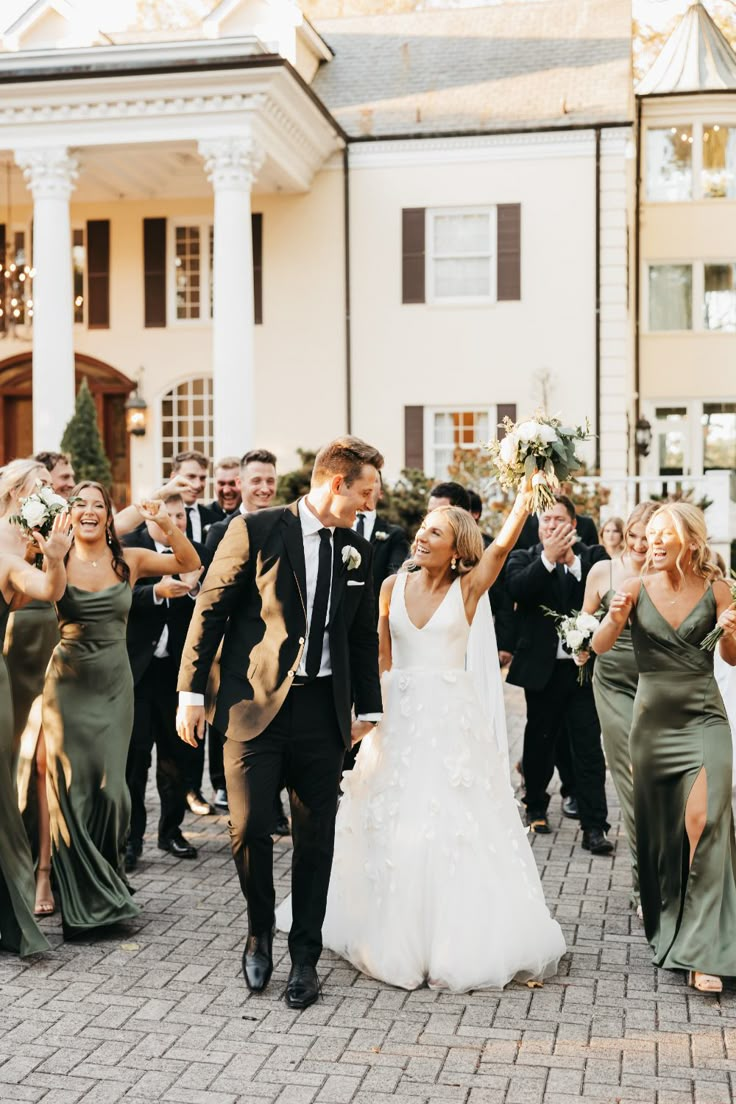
<point>370,522</point>
<point>162,649</point>
<point>196,522</point>
<point>311,528</point>
<point>576,569</point>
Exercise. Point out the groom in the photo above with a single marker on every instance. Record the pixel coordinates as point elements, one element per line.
<point>290,592</point>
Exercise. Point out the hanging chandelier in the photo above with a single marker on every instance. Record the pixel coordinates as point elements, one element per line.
<point>16,276</point>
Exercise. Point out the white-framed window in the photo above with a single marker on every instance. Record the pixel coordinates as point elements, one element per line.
<point>691,295</point>
<point>691,436</point>
<point>461,255</point>
<point>718,174</point>
<point>687,161</point>
<point>79,274</point>
<point>191,288</point>
<point>670,292</point>
<point>719,297</point>
<point>669,163</point>
<point>186,421</point>
<point>449,429</point>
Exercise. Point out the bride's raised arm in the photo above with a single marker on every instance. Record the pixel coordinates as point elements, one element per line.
<point>384,631</point>
<point>482,577</point>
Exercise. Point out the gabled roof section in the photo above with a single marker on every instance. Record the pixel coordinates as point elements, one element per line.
<point>516,64</point>
<point>50,23</point>
<point>697,57</point>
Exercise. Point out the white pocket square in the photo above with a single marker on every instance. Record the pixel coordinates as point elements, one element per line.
<point>355,582</point>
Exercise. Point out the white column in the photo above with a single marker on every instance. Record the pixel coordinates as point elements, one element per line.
<point>51,175</point>
<point>232,165</point>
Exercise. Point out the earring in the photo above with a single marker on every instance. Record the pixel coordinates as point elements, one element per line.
<point>453,564</point>
<point>108,536</point>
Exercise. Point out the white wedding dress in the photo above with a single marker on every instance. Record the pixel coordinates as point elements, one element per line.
<point>433,879</point>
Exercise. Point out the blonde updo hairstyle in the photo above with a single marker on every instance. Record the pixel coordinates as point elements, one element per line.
<point>688,521</point>
<point>640,515</point>
<point>17,480</point>
<point>468,540</point>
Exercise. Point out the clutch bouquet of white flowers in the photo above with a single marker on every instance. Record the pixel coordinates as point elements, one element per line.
<point>38,511</point>
<point>708,643</point>
<point>541,449</point>
<point>575,631</point>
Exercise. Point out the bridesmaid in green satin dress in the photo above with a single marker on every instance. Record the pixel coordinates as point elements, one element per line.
<point>19,931</point>
<point>616,674</point>
<point>88,709</point>
<point>681,748</point>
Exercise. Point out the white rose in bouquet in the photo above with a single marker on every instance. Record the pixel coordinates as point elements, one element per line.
<point>548,434</point>
<point>575,640</point>
<point>509,448</point>
<point>34,512</point>
<point>528,431</point>
<point>45,493</point>
<point>587,623</point>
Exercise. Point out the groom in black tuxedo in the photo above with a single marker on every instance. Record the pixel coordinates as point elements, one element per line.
<point>553,574</point>
<point>290,595</point>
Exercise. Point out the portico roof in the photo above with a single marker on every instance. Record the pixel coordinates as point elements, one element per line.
<point>697,57</point>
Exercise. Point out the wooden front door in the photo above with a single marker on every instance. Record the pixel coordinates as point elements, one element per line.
<point>110,390</point>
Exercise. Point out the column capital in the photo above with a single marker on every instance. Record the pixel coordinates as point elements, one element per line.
<point>232,162</point>
<point>50,173</point>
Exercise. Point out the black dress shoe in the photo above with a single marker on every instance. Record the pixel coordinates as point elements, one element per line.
<point>281,827</point>
<point>258,961</point>
<point>178,846</point>
<point>198,805</point>
<point>539,825</point>
<point>597,842</point>
<point>132,851</point>
<point>302,988</point>
<point>570,808</point>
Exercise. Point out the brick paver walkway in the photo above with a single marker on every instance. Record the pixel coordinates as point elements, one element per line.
<point>160,1012</point>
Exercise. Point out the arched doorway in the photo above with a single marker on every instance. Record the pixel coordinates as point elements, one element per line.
<point>109,388</point>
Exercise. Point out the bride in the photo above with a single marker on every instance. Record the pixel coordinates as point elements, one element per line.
<point>433,879</point>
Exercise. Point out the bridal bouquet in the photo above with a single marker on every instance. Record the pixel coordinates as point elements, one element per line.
<point>38,511</point>
<point>575,631</point>
<point>541,448</point>
<point>708,643</point>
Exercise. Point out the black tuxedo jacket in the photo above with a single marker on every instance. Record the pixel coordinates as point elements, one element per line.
<point>532,586</point>
<point>529,535</point>
<point>207,515</point>
<point>217,531</point>
<point>147,619</point>
<point>254,601</point>
<point>390,550</point>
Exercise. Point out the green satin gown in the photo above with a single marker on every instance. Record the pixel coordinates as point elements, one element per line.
<point>615,680</point>
<point>87,721</point>
<point>680,727</point>
<point>19,931</point>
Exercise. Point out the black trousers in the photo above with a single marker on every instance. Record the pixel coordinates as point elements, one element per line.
<point>154,723</point>
<point>302,746</point>
<point>565,711</point>
<point>215,742</point>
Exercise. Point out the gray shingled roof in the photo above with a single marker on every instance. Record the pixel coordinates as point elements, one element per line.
<point>697,57</point>
<point>523,64</point>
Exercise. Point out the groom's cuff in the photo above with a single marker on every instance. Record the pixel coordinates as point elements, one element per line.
<point>188,697</point>
<point>372,718</point>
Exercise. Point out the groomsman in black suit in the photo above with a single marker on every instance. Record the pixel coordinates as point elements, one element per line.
<point>390,542</point>
<point>159,619</point>
<point>194,467</point>
<point>553,574</point>
<point>227,488</point>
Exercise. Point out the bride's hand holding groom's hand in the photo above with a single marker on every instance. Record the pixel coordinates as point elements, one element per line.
<point>358,730</point>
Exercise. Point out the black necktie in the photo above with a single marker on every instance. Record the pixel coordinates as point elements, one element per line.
<point>319,609</point>
<point>189,521</point>
<point>360,527</point>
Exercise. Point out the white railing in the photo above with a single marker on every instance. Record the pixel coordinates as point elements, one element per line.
<point>717,486</point>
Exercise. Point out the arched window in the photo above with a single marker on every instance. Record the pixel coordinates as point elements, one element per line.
<point>186,421</point>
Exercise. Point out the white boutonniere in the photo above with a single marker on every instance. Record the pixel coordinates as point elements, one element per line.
<point>381,535</point>
<point>352,557</point>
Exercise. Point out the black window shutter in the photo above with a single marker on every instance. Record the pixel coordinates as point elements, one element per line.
<point>3,262</point>
<point>154,271</point>
<point>412,256</point>
<point>414,437</point>
<point>257,224</point>
<point>508,236</point>
<point>505,410</point>
<point>98,274</point>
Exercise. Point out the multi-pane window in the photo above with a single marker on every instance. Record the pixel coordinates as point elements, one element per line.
<point>16,283</point>
<point>672,439</point>
<point>186,421</point>
<point>79,264</point>
<point>669,163</point>
<point>453,430</point>
<point>719,436</point>
<point>188,280</point>
<point>719,297</point>
<point>671,297</point>
<point>461,255</point>
<point>718,174</point>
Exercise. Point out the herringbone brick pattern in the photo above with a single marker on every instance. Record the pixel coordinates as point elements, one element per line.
<point>159,1012</point>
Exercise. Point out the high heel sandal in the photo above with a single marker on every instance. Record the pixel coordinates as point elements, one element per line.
<point>704,983</point>
<point>45,906</point>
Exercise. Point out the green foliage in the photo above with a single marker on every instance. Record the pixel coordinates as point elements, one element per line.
<point>295,484</point>
<point>405,503</point>
<point>473,468</point>
<point>82,441</point>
